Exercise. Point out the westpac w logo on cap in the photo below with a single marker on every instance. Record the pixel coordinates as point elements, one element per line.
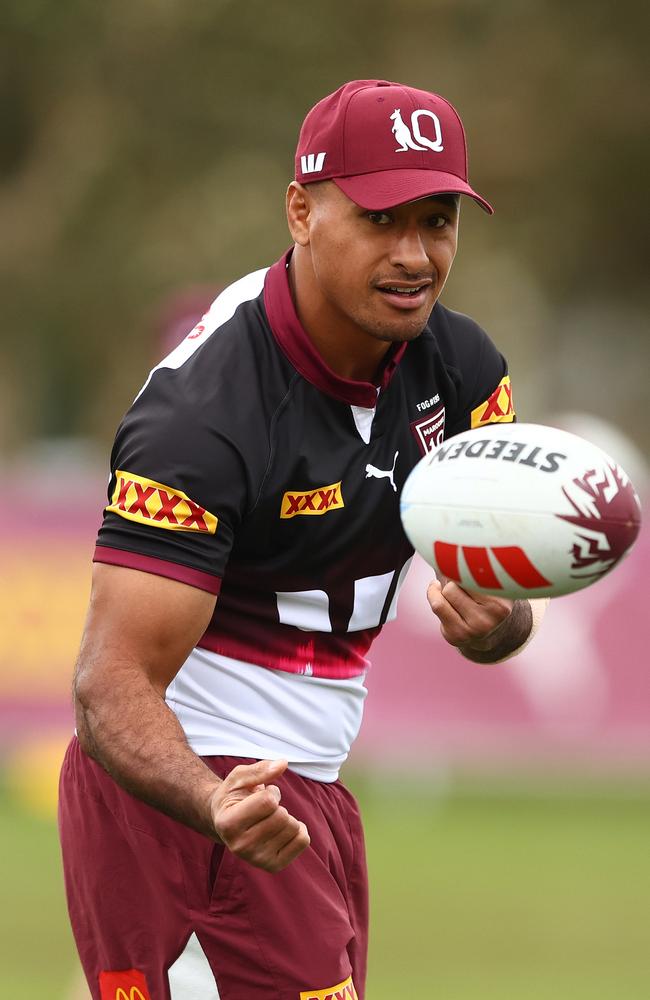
<point>312,163</point>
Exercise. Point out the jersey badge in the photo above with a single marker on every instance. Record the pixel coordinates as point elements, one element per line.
<point>429,431</point>
<point>148,502</point>
<point>373,472</point>
<point>127,985</point>
<point>342,991</point>
<point>311,502</point>
<point>497,408</point>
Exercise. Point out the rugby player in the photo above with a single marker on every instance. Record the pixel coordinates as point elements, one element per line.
<point>251,550</point>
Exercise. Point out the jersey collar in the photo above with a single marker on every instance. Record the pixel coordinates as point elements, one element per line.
<point>297,346</point>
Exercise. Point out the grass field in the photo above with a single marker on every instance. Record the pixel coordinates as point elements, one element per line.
<point>475,897</point>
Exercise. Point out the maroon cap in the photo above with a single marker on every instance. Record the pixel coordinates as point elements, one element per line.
<point>385,144</point>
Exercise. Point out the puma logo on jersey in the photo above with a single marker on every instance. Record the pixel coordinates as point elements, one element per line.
<point>318,501</point>
<point>412,138</point>
<point>312,163</point>
<point>373,472</point>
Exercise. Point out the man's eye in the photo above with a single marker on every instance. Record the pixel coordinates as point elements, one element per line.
<point>438,221</point>
<point>379,218</point>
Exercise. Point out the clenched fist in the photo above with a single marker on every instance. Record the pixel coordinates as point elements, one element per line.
<point>250,821</point>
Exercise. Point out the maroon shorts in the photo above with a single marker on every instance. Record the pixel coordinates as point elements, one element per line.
<point>160,912</point>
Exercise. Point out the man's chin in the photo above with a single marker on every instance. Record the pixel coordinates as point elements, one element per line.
<point>397,333</point>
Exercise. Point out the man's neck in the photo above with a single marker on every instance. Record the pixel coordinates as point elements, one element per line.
<point>345,348</point>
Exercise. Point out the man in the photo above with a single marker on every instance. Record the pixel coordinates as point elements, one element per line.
<point>209,849</point>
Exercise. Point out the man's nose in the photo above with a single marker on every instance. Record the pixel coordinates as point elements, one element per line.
<point>409,252</point>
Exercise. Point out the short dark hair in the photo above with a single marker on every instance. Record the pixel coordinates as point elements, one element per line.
<point>448,198</point>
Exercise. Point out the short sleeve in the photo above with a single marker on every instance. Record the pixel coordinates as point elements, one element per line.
<point>178,487</point>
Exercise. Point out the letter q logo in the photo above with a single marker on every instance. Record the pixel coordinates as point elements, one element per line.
<point>413,138</point>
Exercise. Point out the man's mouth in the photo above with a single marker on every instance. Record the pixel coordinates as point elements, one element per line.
<point>401,290</point>
<point>405,294</point>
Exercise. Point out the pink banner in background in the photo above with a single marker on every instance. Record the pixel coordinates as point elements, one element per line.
<point>582,688</point>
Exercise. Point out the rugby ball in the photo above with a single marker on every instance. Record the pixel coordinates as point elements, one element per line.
<point>520,510</point>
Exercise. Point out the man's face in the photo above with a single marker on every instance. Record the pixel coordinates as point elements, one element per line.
<point>379,271</point>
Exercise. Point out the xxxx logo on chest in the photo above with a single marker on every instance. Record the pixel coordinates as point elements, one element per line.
<point>311,502</point>
<point>148,502</point>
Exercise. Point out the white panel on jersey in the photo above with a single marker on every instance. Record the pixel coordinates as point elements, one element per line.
<point>392,611</point>
<point>363,418</point>
<point>370,594</point>
<point>222,309</point>
<point>306,609</point>
<point>236,709</point>
<point>190,977</point>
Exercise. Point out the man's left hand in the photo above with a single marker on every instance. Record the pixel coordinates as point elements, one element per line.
<point>483,627</point>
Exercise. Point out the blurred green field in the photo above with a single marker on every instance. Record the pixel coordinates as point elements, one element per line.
<point>475,897</point>
<point>510,896</point>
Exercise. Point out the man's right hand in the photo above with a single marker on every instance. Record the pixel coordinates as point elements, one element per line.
<point>126,663</point>
<point>250,821</point>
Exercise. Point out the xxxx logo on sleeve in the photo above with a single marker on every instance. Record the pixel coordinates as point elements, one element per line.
<point>126,985</point>
<point>148,502</point>
<point>497,408</point>
<point>318,501</point>
<point>343,991</point>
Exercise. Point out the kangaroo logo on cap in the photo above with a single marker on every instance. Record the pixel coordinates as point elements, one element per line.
<point>409,139</point>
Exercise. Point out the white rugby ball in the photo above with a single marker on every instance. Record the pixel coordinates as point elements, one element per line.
<point>520,510</point>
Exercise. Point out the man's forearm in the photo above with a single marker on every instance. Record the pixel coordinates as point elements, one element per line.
<point>125,725</point>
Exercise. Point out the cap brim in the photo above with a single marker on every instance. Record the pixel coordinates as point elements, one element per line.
<point>388,188</point>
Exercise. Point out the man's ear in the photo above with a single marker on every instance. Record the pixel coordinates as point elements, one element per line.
<point>299,206</point>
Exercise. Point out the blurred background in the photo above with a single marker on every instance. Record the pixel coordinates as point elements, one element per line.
<point>144,154</point>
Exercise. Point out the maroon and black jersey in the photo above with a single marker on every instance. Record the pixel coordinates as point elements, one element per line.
<point>248,468</point>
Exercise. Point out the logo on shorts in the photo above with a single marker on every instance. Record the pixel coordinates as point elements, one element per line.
<point>127,985</point>
<point>429,432</point>
<point>342,991</point>
<point>148,502</point>
<point>497,408</point>
<point>312,502</point>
